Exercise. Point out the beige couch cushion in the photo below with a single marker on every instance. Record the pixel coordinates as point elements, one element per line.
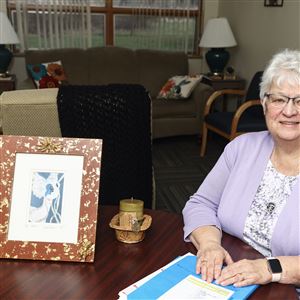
<point>30,112</point>
<point>105,65</point>
<point>73,60</point>
<point>156,67</point>
<point>111,65</point>
<point>162,108</point>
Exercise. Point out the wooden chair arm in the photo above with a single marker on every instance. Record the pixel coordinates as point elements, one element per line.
<point>239,113</point>
<point>219,93</point>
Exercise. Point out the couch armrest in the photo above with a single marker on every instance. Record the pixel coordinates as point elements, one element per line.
<point>200,95</point>
<point>30,112</point>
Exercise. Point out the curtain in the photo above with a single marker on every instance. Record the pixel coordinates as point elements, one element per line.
<point>167,29</point>
<point>53,23</point>
<point>149,24</point>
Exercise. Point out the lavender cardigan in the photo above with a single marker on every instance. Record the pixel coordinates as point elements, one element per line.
<point>225,196</point>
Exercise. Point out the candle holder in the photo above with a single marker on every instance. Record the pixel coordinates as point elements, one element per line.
<point>130,223</point>
<point>130,236</point>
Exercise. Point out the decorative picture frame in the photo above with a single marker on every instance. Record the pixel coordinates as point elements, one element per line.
<point>273,3</point>
<point>49,197</point>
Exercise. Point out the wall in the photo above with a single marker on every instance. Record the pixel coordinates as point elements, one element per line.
<point>210,10</point>
<point>18,67</point>
<point>260,31</point>
<point>3,6</point>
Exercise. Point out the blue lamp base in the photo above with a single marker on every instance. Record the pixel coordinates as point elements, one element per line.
<point>5,59</point>
<point>216,59</point>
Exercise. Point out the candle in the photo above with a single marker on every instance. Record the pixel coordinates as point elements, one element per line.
<point>131,213</point>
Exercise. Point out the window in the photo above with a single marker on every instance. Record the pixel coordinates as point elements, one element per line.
<point>152,24</point>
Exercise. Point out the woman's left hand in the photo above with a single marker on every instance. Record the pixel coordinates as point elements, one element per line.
<point>245,272</point>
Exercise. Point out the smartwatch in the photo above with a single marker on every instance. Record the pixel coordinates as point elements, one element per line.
<point>275,268</point>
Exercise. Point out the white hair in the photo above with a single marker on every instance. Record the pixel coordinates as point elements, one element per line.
<point>283,67</point>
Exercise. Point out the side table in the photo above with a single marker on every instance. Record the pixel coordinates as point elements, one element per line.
<point>221,84</point>
<point>8,84</point>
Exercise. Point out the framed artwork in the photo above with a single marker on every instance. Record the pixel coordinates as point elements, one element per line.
<point>273,2</point>
<point>49,197</point>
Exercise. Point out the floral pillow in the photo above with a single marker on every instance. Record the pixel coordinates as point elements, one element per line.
<point>179,87</point>
<point>47,75</point>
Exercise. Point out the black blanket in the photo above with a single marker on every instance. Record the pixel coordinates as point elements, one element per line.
<point>120,115</point>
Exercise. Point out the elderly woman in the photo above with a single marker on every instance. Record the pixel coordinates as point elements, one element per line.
<point>253,191</point>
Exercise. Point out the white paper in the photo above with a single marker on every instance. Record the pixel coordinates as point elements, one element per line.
<point>26,167</point>
<point>192,287</point>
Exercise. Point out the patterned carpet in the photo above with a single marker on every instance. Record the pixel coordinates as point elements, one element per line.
<point>179,169</point>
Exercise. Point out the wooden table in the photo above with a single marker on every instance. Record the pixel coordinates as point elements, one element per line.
<point>8,84</point>
<point>220,84</point>
<point>223,84</point>
<point>116,265</point>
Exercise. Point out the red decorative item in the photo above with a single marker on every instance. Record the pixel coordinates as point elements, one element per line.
<point>168,86</point>
<point>55,70</point>
<point>48,82</point>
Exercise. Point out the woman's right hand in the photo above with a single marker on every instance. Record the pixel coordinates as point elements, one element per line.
<point>210,258</point>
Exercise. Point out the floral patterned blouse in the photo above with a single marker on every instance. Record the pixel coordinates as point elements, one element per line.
<point>269,201</point>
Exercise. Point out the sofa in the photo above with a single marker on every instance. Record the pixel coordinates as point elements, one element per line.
<point>106,65</point>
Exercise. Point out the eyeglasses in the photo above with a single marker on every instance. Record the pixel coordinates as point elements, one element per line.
<point>280,101</point>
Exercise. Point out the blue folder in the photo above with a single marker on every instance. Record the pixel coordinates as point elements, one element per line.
<point>162,282</point>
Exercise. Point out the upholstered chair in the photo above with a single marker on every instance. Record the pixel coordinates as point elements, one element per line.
<point>248,116</point>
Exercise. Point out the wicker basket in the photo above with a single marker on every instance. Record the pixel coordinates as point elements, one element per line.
<point>130,236</point>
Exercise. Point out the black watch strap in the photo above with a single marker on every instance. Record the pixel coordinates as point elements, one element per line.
<point>274,268</point>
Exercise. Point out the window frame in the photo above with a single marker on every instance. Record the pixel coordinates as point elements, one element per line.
<point>109,11</point>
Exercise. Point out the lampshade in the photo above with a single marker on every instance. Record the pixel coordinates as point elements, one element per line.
<point>7,36</point>
<point>7,32</point>
<point>217,34</point>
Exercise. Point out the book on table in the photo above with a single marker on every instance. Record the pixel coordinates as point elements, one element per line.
<point>178,280</point>
<point>7,78</point>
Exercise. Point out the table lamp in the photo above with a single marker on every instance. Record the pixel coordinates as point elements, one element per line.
<point>217,35</point>
<point>7,36</point>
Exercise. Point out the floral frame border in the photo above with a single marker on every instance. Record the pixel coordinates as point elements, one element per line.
<point>91,150</point>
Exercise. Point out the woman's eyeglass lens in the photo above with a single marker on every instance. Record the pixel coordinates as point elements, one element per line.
<point>279,101</point>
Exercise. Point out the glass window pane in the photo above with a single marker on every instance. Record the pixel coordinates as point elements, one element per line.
<point>99,3</point>
<point>98,29</point>
<point>57,2</point>
<point>71,38</point>
<point>32,40</point>
<point>179,4</point>
<point>153,32</point>
<point>153,24</point>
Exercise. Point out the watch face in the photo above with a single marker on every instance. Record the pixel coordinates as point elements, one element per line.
<point>275,265</point>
